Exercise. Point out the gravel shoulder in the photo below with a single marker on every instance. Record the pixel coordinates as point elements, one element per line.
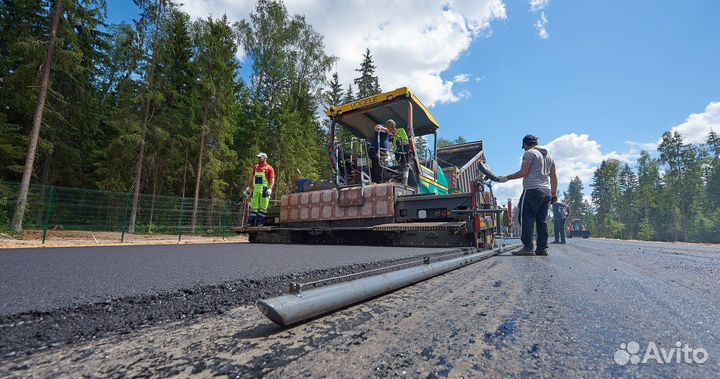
<point>80,238</point>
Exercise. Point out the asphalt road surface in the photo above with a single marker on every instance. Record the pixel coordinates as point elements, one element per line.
<point>39,279</point>
<point>575,313</point>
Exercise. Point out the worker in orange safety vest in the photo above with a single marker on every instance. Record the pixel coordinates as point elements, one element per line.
<point>262,182</point>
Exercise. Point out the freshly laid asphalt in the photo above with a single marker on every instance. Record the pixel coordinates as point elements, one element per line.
<point>42,279</point>
<point>572,314</point>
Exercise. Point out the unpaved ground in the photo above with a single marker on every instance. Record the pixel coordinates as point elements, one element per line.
<point>72,238</point>
<point>524,317</point>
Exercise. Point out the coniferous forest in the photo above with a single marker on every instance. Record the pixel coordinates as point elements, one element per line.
<point>158,106</point>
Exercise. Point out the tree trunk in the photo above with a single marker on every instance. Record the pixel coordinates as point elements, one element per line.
<point>684,214</point>
<point>184,174</point>
<point>143,135</point>
<point>198,177</point>
<point>674,220</point>
<point>152,204</point>
<point>37,122</point>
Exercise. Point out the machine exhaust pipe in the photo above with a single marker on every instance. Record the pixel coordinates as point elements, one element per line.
<point>295,308</point>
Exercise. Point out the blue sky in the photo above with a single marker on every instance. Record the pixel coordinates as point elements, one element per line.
<point>608,73</point>
<point>619,71</point>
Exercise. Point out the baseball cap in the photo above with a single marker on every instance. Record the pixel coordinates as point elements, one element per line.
<point>529,140</point>
<point>262,155</point>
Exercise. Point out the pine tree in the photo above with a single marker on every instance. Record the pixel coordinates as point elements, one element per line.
<point>333,97</point>
<point>11,151</point>
<point>286,85</point>
<point>683,180</point>
<point>573,198</point>
<point>76,104</point>
<point>367,83</point>
<point>335,94</point>
<point>24,33</point>
<point>648,189</point>
<point>150,21</point>
<point>605,196</point>
<point>646,231</point>
<point>216,66</point>
<point>175,119</point>
<point>122,81</point>
<point>37,120</point>
<point>24,27</point>
<point>713,178</point>
<point>627,208</point>
<point>349,97</point>
<point>671,155</point>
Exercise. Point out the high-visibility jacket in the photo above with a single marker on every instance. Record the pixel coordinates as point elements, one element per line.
<point>261,182</point>
<point>401,137</point>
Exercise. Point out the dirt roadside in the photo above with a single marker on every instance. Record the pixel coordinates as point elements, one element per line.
<point>72,238</point>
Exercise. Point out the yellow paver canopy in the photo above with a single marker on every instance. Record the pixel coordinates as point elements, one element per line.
<point>361,116</point>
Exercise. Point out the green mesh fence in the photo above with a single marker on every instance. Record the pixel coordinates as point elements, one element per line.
<point>63,208</point>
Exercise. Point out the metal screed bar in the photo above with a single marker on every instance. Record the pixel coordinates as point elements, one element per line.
<point>295,308</point>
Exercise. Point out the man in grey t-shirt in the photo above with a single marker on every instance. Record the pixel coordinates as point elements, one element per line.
<point>539,190</point>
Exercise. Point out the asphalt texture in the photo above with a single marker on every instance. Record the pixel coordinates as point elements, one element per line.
<point>50,297</point>
<point>39,279</point>
<point>565,315</point>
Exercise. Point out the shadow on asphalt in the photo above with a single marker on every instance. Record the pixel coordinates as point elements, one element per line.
<point>262,330</point>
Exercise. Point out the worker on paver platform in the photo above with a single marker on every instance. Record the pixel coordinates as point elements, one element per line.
<point>539,191</point>
<point>262,182</point>
<point>400,143</point>
<point>379,146</point>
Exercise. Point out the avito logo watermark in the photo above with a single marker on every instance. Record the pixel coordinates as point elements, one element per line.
<point>629,353</point>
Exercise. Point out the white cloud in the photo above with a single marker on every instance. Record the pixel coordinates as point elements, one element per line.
<point>413,43</point>
<point>536,5</point>
<point>461,78</point>
<point>578,155</point>
<point>697,126</point>
<point>541,26</point>
<point>651,146</point>
<point>508,190</point>
<point>574,155</point>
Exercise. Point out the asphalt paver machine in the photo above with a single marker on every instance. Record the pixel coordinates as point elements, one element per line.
<point>422,195</point>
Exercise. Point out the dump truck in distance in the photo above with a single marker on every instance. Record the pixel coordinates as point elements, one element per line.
<point>577,229</point>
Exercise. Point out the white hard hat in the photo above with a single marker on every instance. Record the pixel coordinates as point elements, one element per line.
<point>262,155</point>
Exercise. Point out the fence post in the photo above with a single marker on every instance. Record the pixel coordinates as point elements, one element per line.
<point>125,218</point>
<point>224,220</point>
<point>48,213</point>
<point>182,209</point>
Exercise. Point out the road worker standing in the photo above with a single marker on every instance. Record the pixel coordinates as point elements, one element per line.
<point>262,182</point>
<point>539,191</point>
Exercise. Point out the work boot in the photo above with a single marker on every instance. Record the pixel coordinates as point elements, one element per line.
<point>543,252</point>
<point>555,242</point>
<point>261,220</point>
<point>524,251</point>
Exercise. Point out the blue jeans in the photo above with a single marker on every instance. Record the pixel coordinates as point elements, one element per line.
<point>560,230</point>
<point>534,205</point>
